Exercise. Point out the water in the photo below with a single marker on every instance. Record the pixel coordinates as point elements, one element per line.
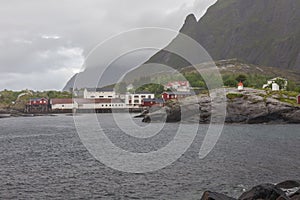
<point>43,157</point>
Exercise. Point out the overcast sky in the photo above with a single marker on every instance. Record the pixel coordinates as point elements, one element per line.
<point>43,43</point>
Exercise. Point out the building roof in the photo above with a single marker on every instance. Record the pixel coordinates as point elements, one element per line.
<point>100,89</point>
<point>96,101</point>
<point>178,93</point>
<point>240,83</point>
<point>62,101</point>
<point>180,83</point>
<point>274,79</point>
<point>37,99</point>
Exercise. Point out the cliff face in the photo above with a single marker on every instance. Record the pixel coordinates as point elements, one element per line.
<point>254,31</point>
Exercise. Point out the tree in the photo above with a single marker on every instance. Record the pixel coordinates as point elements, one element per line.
<point>241,78</point>
<point>281,82</point>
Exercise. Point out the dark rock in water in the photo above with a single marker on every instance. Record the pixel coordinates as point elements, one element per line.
<point>288,184</point>
<point>165,114</point>
<point>290,187</point>
<point>208,195</point>
<point>143,114</point>
<point>264,191</point>
<point>174,114</point>
<point>287,190</point>
<point>296,195</point>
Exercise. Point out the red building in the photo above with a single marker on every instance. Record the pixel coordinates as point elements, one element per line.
<point>175,95</point>
<point>298,99</point>
<point>153,102</point>
<point>37,105</point>
<point>38,101</point>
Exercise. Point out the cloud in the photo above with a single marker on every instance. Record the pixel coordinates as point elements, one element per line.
<point>44,42</point>
<point>54,37</point>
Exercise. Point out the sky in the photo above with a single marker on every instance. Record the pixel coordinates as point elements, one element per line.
<point>44,43</point>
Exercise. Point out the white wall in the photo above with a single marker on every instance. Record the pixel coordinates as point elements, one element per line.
<point>101,94</point>
<point>137,98</point>
<point>63,106</point>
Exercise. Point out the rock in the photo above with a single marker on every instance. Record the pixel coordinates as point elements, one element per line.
<point>288,184</point>
<point>265,192</point>
<point>143,114</point>
<point>296,195</point>
<point>293,117</point>
<point>290,187</point>
<point>208,195</point>
<point>250,108</point>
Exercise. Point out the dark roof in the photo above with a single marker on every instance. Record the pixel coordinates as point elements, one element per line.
<point>61,101</point>
<point>156,100</point>
<point>179,93</point>
<point>100,89</point>
<point>38,99</point>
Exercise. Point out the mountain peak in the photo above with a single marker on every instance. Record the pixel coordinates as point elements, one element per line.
<point>189,26</point>
<point>254,31</point>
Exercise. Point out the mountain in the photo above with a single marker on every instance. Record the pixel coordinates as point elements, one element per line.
<point>260,32</point>
<point>70,84</point>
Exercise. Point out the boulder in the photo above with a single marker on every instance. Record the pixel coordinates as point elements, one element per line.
<point>264,192</point>
<point>288,184</point>
<point>291,188</point>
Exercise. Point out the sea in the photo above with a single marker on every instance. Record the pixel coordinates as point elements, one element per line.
<point>48,157</point>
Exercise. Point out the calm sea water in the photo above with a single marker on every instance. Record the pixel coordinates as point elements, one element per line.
<point>43,157</point>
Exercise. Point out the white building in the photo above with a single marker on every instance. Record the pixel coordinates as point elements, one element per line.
<point>274,86</point>
<point>179,86</point>
<point>63,104</point>
<point>129,87</point>
<point>137,98</point>
<point>99,93</point>
<point>100,103</point>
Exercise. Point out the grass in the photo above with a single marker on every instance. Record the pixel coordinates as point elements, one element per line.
<point>234,95</point>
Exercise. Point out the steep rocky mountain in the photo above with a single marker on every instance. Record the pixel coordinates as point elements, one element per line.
<point>70,84</point>
<point>261,32</point>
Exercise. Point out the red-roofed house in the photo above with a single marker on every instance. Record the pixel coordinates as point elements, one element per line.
<point>180,86</point>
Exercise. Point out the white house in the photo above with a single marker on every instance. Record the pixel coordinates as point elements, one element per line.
<point>100,103</point>
<point>179,86</point>
<point>274,86</point>
<point>136,99</point>
<point>129,87</point>
<point>63,104</point>
<point>99,93</point>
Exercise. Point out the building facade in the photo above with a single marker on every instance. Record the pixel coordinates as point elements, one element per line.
<point>136,99</point>
<point>179,86</point>
<point>175,95</point>
<point>102,93</point>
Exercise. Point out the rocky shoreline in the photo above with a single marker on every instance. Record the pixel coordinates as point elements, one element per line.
<point>286,190</point>
<point>249,106</point>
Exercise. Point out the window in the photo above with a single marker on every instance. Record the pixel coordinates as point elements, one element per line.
<point>136,96</point>
<point>136,101</point>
